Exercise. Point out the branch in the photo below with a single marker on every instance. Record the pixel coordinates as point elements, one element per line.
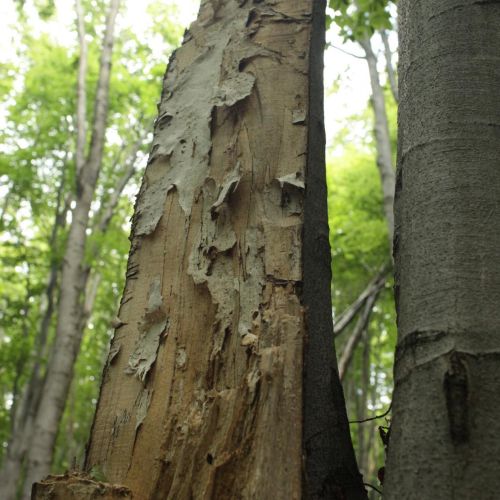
<point>361,325</point>
<point>346,51</point>
<point>107,210</point>
<point>81,92</point>
<point>390,69</point>
<point>376,417</point>
<point>348,315</point>
<point>373,487</point>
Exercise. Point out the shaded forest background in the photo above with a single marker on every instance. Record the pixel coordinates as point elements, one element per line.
<point>38,99</point>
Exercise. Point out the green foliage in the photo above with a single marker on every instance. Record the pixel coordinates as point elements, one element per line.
<point>37,144</point>
<point>359,242</point>
<point>358,19</point>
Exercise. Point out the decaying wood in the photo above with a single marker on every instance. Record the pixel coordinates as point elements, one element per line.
<point>77,486</point>
<point>202,395</point>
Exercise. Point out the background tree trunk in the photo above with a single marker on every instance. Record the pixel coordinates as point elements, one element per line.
<point>382,138</point>
<point>68,331</point>
<point>203,394</point>
<point>24,411</point>
<point>444,437</point>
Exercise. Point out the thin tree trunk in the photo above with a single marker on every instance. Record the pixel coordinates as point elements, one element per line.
<point>391,74</point>
<point>81,92</point>
<point>382,138</point>
<point>90,279</point>
<point>364,431</point>
<point>203,388</point>
<point>444,434</point>
<point>23,414</point>
<point>67,341</point>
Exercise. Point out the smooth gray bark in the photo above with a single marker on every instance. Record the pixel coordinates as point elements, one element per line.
<point>68,333</point>
<point>382,138</point>
<point>81,91</point>
<point>445,430</point>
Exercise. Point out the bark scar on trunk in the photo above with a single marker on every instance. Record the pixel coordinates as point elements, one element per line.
<point>456,389</point>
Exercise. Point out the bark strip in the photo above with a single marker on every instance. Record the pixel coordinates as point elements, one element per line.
<point>330,465</point>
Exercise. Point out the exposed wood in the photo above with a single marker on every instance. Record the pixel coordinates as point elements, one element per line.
<point>203,388</point>
<point>77,486</point>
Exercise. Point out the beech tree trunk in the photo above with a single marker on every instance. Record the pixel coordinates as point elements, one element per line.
<point>382,139</point>
<point>68,334</point>
<point>444,437</point>
<point>25,409</point>
<point>221,382</point>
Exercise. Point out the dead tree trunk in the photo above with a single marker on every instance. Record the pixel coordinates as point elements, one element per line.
<point>227,294</point>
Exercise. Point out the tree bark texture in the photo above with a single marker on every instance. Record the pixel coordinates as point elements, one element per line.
<point>67,340</point>
<point>444,437</point>
<point>202,395</point>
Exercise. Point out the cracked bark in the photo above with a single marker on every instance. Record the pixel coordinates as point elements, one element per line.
<point>203,395</point>
<point>444,436</point>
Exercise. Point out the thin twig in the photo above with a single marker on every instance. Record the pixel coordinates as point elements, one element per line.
<point>372,487</point>
<point>372,418</point>
<point>346,51</point>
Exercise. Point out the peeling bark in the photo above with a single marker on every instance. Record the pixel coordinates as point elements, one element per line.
<point>444,434</point>
<point>202,395</point>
